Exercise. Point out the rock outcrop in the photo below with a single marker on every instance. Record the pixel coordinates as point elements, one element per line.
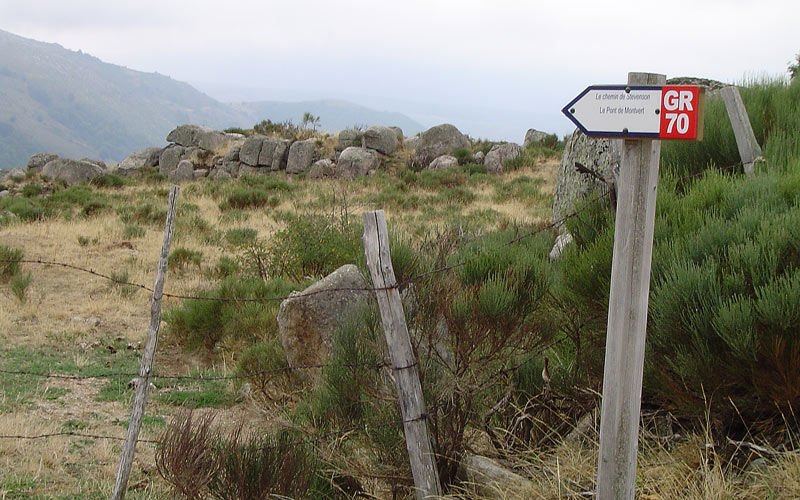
<point>348,138</point>
<point>356,162</point>
<point>39,160</point>
<point>497,157</point>
<point>599,154</point>
<point>306,324</point>
<point>12,173</point>
<point>443,161</point>
<point>381,139</point>
<point>533,136</point>
<point>302,155</point>
<point>200,137</point>
<point>437,141</point>
<point>135,162</point>
<point>72,172</point>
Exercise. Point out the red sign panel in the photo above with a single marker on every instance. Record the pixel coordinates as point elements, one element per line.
<point>681,113</point>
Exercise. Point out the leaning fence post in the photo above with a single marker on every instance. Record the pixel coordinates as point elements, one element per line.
<point>146,365</point>
<point>749,150</point>
<point>409,389</point>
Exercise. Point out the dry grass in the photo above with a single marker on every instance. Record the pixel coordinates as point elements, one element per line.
<point>60,300</point>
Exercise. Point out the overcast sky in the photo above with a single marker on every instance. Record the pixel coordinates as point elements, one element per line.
<point>494,68</point>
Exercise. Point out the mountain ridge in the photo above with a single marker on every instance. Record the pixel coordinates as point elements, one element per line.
<point>73,104</point>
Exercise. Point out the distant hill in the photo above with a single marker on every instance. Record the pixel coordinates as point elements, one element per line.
<point>73,104</point>
<point>334,115</point>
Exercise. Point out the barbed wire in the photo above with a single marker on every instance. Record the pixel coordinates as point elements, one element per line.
<point>204,378</point>
<point>22,437</point>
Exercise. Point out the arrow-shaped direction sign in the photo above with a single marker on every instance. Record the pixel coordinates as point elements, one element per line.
<point>639,112</point>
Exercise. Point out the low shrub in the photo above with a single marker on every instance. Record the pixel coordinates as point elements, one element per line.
<point>209,323</point>
<point>181,258</point>
<point>31,190</point>
<point>313,246</point>
<point>108,181</point>
<point>9,262</point>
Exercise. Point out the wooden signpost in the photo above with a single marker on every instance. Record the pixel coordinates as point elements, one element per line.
<point>640,112</point>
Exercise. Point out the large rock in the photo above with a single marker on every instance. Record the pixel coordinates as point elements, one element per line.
<point>348,138</point>
<point>533,136</point>
<point>437,141</point>
<point>320,169</point>
<point>306,324</point>
<point>200,137</point>
<point>268,147</point>
<point>12,173</point>
<point>601,155</point>
<point>443,161</point>
<point>183,172</point>
<point>280,156</point>
<point>251,149</point>
<point>135,162</point>
<point>497,157</point>
<point>39,160</point>
<point>72,172</point>
<point>398,132</point>
<point>169,159</point>
<point>489,479</point>
<point>356,162</point>
<point>301,156</point>
<point>410,143</point>
<point>381,139</point>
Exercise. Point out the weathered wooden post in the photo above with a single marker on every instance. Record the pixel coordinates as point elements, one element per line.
<point>627,312</point>
<point>641,112</point>
<point>749,150</point>
<point>148,355</point>
<point>409,389</point>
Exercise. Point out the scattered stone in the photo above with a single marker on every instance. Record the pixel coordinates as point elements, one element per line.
<point>410,143</point>
<point>135,162</point>
<point>491,480</point>
<point>4,193</point>
<point>443,161</point>
<point>246,169</point>
<point>356,162</point>
<point>398,132</point>
<point>39,160</point>
<point>381,139</point>
<point>478,158</point>
<point>306,324</point>
<point>561,243</point>
<point>251,149</point>
<point>280,156</point>
<point>93,321</point>
<point>169,159</point>
<point>437,141</point>
<point>533,136</point>
<point>220,174</point>
<point>348,138</point>
<point>70,171</point>
<point>601,155</point>
<point>200,173</point>
<point>320,169</point>
<point>183,172</point>
<point>497,157</point>
<point>200,137</point>
<point>11,173</point>
<point>301,156</point>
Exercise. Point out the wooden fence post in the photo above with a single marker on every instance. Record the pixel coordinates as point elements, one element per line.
<point>409,389</point>
<point>749,150</point>
<point>146,365</point>
<point>627,312</point>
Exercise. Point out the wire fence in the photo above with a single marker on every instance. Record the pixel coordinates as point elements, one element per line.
<point>587,205</point>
